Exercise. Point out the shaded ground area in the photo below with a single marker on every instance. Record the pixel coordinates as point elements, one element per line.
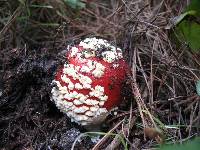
<point>28,118</point>
<point>33,40</point>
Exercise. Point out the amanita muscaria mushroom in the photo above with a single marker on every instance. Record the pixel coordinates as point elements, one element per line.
<point>88,85</point>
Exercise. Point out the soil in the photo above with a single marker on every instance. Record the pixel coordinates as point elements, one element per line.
<point>29,120</point>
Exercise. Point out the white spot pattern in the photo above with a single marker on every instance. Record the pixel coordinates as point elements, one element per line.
<point>81,108</point>
<point>92,45</point>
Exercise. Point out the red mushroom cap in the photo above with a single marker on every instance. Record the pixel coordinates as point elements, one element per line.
<point>89,85</point>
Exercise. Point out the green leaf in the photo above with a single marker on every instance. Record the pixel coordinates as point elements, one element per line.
<point>188,26</point>
<point>178,19</point>
<point>75,4</point>
<point>41,6</point>
<point>190,31</point>
<point>193,9</point>
<point>190,145</point>
<point>195,6</point>
<point>198,87</point>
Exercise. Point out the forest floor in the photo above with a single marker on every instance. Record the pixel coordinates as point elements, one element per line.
<point>159,103</point>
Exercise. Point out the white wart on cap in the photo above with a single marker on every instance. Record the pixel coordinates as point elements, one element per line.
<point>89,85</point>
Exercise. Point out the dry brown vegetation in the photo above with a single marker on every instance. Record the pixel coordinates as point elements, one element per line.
<point>161,104</point>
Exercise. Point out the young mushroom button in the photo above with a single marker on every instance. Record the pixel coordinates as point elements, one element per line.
<point>89,85</point>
